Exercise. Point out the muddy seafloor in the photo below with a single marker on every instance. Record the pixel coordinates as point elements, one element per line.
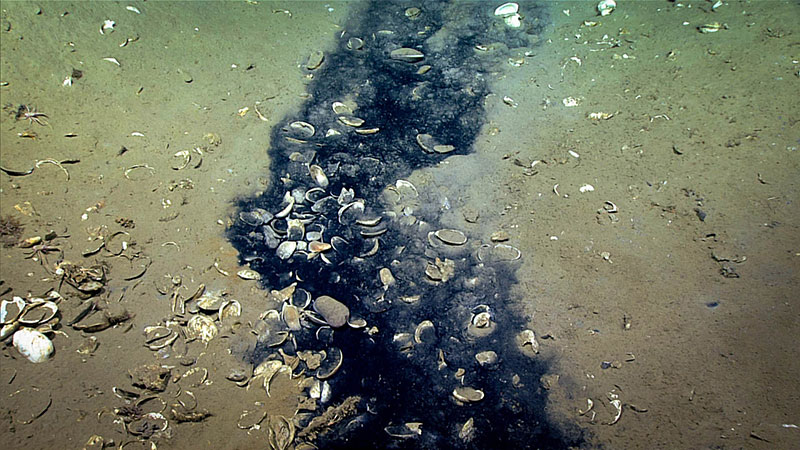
<point>684,293</point>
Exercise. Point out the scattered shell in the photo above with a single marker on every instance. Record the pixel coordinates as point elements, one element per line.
<point>408,55</point>
<point>201,327</point>
<point>248,274</point>
<point>467,431</point>
<point>440,270</point>
<point>466,394</point>
<point>499,236</point>
<point>315,60</point>
<point>712,27</point>
<point>318,247</point>
<point>295,230</point>
<point>452,237</point>
<point>333,311</point>
<point>498,253</point>
<point>443,148</point>
<point>250,419</point>
<point>33,345</point>
<point>426,142</point>
<point>318,175</point>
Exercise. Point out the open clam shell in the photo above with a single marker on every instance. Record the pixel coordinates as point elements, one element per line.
<point>331,364</point>
<point>38,313</point>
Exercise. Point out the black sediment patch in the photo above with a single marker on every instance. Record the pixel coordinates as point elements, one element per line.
<point>407,385</point>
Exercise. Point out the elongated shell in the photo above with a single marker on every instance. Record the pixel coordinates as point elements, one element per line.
<point>33,345</point>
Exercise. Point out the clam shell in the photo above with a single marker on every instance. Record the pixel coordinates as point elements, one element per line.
<point>498,253</point>
<point>527,343</point>
<point>452,237</point>
<point>341,109</point>
<point>210,301</point>
<point>10,310</point>
<point>291,317</point>
<point>426,142</point>
<point>295,230</point>
<point>355,43</point>
<point>201,327</point>
<point>229,309</point>
<point>408,55</point>
<point>425,332</point>
<point>33,345</point>
<point>286,249</point>
<point>331,364</point>
<point>443,148</point>
<point>318,247</point>
<point>351,121</point>
<point>302,129</point>
<point>333,311</point>
<point>315,60</point>
<point>364,131</point>
<point>466,394</point>
<point>318,175</point>
<point>386,276</point>
<point>248,274</point>
<point>255,217</point>
<point>405,431</point>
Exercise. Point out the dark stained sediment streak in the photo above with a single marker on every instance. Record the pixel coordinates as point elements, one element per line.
<point>399,386</point>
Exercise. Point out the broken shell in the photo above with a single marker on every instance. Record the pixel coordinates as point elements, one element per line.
<point>527,343</point>
<point>331,364</point>
<point>357,322</point>
<point>467,431</point>
<point>289,199</point>
<point>408,55</point>
<point>286,249</point>
<point>33,345</point>
<point>201,327</point>
<point>333,311</point>
<point>426,142</point>
<point>38,312</point>
<point>315,60</point>
<point>413,12</point>
<point>318,247</point>
<point>452,237</point>
<point>425,332</point>
<point>486,358</point>
<point>318,175</point>
<point>466,394</point>
<point>405,431</point>
<point>248,274</point>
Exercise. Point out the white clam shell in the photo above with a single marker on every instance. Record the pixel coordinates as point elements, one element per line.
<point>33,345</point>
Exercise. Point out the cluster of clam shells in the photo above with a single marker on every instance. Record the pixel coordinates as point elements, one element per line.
<point>27,321</point>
